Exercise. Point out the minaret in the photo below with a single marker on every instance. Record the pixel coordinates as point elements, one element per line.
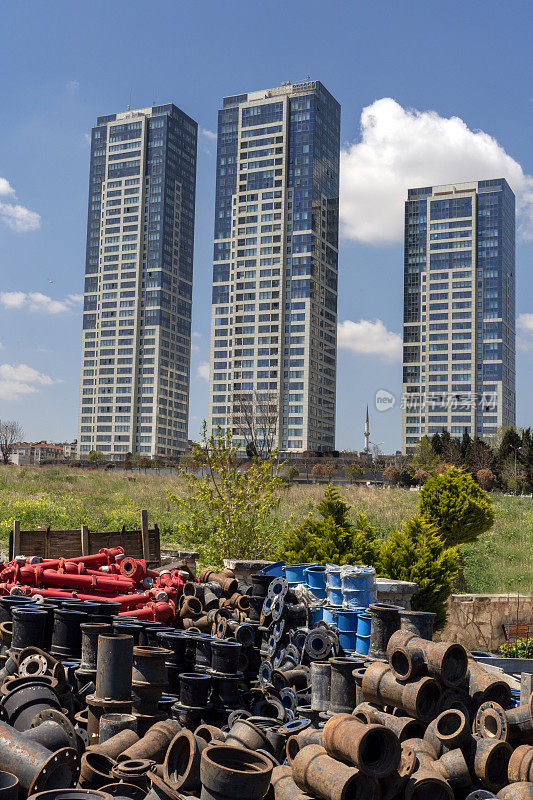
<point>367,433</point>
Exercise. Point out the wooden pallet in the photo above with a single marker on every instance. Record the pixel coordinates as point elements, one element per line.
<point>517,630</point>
<point>47,543</point>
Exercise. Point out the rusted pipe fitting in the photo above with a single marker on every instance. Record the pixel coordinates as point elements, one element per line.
<point>418,622</point>
<point>418,698</point>
<point>448,731</point>
<point>95,770</point>
<point>488,761</point>
<point>385,621</point>
<point>343,689</point>
<point>154,743</point>
<point>190,607</point>
<point>373,748</point>
<point>9,786</point>
<point>115,745</point>
<point>513,725</point>
<point>135,771</point>
<point>300,740</point>
<point>149,677</point>
<point>227,583</point>
<point>283,785</point>
<point>210,733</point>
<point>111,724</point>
<point>516,791</point>
<point>24,698</point>
<point>425,783</point>
<point>321,776</point>
<point>114,667</point>
<point>452,766</point>
<point>409,656</point>
<point>36,768</point>
<point>403,727</point>
<point>521,764</point>
<point>234,772</point>
<point>484,686</point>
<point>181,767</point>
<point>245,734</point>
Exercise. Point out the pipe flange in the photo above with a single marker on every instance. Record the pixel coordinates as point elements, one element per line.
<point>124,790</point>
<point>294,726</point>
<point>66,756</point>
<point>491,722</point>
<point>50,714</point>
<point>278,588</point>
<point>33,665</point>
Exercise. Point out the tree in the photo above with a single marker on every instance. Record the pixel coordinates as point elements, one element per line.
<point>424,457</point>
<point>333,538</point>
<point>421,476</point>
<point>436,443</point>
<point>392,474</point>
<point>228,512</point>
<point>323,471</point>
<point>292,473</point>
<point>354,472</point>
<point>255,419</point>
<point>485,478</point>
<point>418,554</point>
<point>466,444</point>
<point>96,457</point>
<point>451,449</point>
<point>10,433</point>
<point>479,457</point>
<point>308,460</point>
<point>457,506</point>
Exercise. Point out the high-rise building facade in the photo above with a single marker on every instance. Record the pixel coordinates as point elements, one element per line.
<point>274,303</point>
<point>138,284</point>
<point>459,310</point>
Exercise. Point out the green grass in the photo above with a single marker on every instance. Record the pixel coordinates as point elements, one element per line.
<point>500,561</point>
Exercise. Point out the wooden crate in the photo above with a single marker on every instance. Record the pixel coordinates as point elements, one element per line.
<point>47,543</point>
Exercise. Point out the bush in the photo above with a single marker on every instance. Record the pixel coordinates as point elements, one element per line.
<point>323,471</point>
<point>518,648</point>
<point>229,511</point>
<point>392,474</point>
<point>485,478</point>
<point>459,508</point>
<point>333,539</point>
<point>418,554</point>
<point>421,476</point>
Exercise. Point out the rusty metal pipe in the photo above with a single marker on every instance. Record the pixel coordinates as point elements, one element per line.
<point>154,743</point>
<point>409,656</point>
<point>521,764</point>
<point>403,727</point>
<point>373,748</point>
<point>283,785</point>
<point>418,698</point>
<point>321,776</point>
<point>513,725</point>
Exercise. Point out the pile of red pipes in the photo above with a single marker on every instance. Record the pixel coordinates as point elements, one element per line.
<point>107,575</point>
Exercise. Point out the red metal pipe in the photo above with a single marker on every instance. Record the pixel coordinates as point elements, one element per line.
<point>159,612</point>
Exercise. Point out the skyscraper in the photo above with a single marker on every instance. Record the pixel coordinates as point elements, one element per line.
<point>274,303</point>
<point>459,310</point>
<point>138,284</point>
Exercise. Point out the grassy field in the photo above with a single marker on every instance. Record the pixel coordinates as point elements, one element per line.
<point>500,561</point>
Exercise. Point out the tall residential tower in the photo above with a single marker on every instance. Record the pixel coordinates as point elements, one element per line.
<point>138,284</point>
<point>459,310</point>
<point>274,312</point>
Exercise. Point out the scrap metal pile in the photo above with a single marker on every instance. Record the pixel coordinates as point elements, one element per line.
<point>221,690</point>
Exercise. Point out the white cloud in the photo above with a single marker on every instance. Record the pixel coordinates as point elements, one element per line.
<point>403,148</point>
<point>15,216</point>
<point>73,86</point>
<point>6,190</point>
<point>370,338</point>
<point>87,137</point>
<point>203,370</point>
<point>36,301</point>
<point>211,135</point>
<point>524,324</point>
<point>19,380</point>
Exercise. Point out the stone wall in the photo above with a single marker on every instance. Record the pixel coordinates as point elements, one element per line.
<point>477,620</point>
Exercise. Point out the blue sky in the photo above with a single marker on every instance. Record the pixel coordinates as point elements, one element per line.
<point>430,93</point>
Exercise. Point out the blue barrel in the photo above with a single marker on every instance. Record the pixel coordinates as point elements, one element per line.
<point>348,640</point>
<point>329,615</point>
<point>333,578</point>
<point>320,594</point>
<point>335,597</point>
<point>295,573</point>
<point>316,614</point>
<point>347,620</point>
<point>316,577</point>
<point>364,621</point>
<point>362,644</point>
